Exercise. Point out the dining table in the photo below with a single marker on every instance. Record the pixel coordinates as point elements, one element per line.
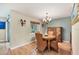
<point>48,39</point>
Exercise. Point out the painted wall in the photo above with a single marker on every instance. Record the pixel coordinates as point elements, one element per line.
<point>4,10</point>
<point>65,23</point>
<point>20,35</point>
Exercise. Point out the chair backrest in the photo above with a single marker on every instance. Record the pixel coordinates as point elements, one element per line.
<point>38,36</point>
<point>39,39</point>
<point>51,32</point>
<point>41,44</point>
<point>59,33</point>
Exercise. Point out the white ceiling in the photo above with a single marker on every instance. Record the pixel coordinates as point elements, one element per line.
<point>37,10</point>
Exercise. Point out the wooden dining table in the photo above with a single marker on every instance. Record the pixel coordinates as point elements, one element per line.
<point>48,39</point>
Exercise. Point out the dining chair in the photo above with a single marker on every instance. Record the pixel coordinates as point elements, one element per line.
<point>41,44</point>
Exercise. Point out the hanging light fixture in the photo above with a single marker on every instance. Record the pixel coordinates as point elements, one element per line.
<point>47,19</point>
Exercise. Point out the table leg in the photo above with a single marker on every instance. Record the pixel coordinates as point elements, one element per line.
<point>48,45</point>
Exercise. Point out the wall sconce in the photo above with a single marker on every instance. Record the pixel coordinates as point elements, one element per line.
<point>22,22</point>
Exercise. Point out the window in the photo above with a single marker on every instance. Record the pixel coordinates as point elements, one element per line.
<point>34,26</point>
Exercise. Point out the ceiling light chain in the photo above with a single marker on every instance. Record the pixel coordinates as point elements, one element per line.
<point>47,19</point>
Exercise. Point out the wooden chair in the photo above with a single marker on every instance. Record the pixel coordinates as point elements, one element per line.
<point>64,48</point>
<point>41,44</point>
<point>59,34</point>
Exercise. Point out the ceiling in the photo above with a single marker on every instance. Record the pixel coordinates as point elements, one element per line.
<point>37,10</point>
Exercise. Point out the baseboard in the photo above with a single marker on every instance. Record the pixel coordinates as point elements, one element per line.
<point>21,45</point>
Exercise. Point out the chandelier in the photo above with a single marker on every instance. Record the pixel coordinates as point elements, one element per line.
<point>47,19</point>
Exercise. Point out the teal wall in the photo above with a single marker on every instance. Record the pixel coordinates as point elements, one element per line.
<point>65,23</point>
